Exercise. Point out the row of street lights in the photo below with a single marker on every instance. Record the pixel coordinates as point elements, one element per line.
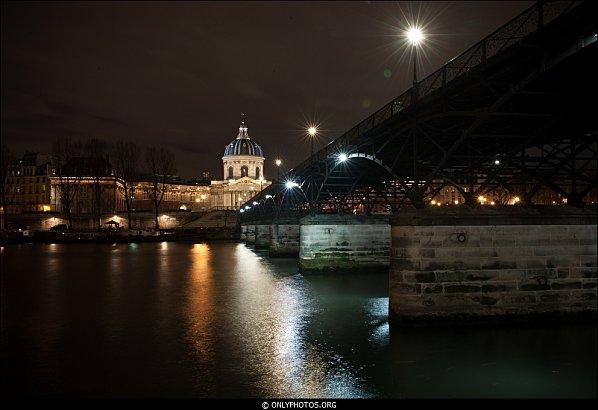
<point>414,36</point>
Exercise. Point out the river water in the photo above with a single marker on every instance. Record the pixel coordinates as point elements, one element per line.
<point>222,320</point>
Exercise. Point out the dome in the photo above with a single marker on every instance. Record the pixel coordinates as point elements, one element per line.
<point>243,145</point>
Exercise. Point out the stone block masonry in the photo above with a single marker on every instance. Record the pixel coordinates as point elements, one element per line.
<point>480,264</point>
<point>250,235</point>
<point>262,235</point>
<point>284,239</point>
<point>343,243</point>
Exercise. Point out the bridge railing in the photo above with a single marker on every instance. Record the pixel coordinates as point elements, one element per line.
<point>521,26</point>
<point>529,21</point>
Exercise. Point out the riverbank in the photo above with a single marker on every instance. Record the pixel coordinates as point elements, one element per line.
<point>121,236</point>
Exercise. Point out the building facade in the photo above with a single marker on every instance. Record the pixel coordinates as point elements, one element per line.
<point>34,185</point>
<point>28,184</point>
<point>243,177</point>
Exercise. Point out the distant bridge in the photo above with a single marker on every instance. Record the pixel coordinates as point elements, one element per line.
<point>516,112</point>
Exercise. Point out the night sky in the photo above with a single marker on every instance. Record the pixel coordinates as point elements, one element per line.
<point>180,74</point>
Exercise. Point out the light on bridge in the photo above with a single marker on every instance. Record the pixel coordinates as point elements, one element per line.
<point>255,203</point>
<point>343,157</point>
<point>291,184</point>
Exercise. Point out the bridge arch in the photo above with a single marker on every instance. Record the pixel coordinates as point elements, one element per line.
<point>371,159</point>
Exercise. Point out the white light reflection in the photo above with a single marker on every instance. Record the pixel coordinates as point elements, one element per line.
<point>290,362</point>
<point>377,309</point>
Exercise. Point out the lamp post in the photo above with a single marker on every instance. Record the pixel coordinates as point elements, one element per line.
<point>415,36</point>
<point>312,131</point>
<point>278,162</point>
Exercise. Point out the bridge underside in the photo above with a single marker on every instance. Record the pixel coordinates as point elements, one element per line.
<point>512,120</point>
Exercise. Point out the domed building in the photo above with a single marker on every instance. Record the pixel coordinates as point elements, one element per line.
<point>243,172</point>
<point>243,178</point>
<point>243,157</point>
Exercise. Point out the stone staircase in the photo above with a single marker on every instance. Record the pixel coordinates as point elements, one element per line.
<point>213,219</point>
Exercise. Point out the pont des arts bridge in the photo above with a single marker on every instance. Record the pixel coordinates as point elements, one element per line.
<point>510,121</point>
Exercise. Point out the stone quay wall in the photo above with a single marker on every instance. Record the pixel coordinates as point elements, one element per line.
<point>330,243</point>
<point>139,220</point>
<point>465,265</point>
<point>284,239</point>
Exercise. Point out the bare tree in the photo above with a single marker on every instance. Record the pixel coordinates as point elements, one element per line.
<point>501,195</point>
<point>98,168</point>
<point>160,164</point>
<point>126,159</point>
<point>64,150</point>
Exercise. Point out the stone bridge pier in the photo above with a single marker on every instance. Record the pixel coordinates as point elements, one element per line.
<point>454,265</point>
<point>284,238</point>
<point>279,236</point>
<point>325,243</point>
<point>249,233</point>
<point>262,235</point>
<point>492,264</point>
<point>344,243</point>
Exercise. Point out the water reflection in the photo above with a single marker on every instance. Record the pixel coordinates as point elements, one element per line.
<point>221,320</point>
<point>199,311</point>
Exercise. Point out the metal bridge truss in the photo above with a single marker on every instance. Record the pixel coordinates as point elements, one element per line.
<point>511,117</point>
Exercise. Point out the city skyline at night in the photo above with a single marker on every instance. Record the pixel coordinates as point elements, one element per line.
<point>180,76</point>
<point>298,204</point>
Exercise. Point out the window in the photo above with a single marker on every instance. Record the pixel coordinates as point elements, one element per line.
<point>244,171</point>
<point>257,172</point>
<point>230,172</point>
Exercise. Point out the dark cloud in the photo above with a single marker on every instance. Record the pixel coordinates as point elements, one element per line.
<point>180,74</point>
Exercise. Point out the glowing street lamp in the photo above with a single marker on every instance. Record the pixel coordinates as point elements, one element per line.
<point>415,35</point>
<point>342,157</point>
<point>255,203</point>
<point>290,184</point>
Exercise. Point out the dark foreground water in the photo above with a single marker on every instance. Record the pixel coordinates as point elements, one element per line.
<point>220,320</point>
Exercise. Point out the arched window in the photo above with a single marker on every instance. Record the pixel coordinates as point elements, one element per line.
<point>230,172</point>
<point>244,171</point>
<point>257,172</point>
